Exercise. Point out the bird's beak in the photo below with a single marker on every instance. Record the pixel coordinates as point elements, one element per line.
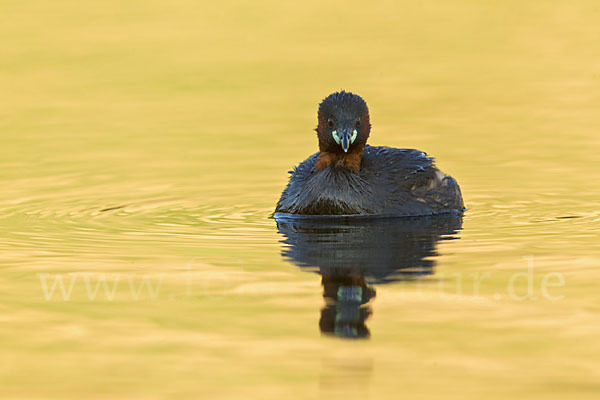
<point>345,139</point>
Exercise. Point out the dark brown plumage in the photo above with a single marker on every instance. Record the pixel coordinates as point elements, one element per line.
<point>348,177</point>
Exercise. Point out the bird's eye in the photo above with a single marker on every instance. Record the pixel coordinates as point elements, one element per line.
<point>330,123</point>
<point>357,124</point>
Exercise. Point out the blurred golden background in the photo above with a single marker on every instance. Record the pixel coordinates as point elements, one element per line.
<point>154,137</point>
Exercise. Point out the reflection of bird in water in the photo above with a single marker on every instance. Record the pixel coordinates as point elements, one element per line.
<point>352,253</point>
<point>346,305</point>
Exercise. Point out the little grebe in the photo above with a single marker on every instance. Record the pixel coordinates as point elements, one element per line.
<point>349,177</point>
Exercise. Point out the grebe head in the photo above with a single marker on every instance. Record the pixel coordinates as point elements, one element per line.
<point>344,124</point>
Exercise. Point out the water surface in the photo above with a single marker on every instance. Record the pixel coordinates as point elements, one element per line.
<point>145,144</point>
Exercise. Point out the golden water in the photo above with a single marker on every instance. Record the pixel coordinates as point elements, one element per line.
<point>146,142</point>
